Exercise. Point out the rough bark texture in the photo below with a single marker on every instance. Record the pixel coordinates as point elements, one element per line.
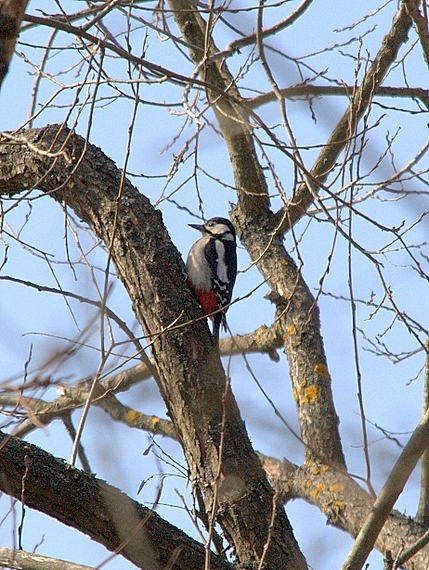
<point>101,511</point>
<point>298,315</point>
<point>259,229</point>
<point>11,13</point>
<point>191,378</point>
<point>346,505</point>
<point>22,560</point>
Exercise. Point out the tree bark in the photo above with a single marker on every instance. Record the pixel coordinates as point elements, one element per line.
<point>97,509</point>
<point>298,314</point>
<point>346,505</point>
<point>21,560</point>
<point>190,375</point>
<point>11,14</point>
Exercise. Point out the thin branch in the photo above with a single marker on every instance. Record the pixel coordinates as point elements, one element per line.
<point>251,38</point>
<point>421,24</point>
<point>412,551</point>
<point>345,128</point>
<point>135,419</point>
<point>21,560</point>
<point>391,490</point>
<point>161,73</point>
<point>309,90</point>
<point>356,354</point>
<point>422,514</point>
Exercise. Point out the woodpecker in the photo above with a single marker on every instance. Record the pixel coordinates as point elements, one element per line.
<point>211,269</point>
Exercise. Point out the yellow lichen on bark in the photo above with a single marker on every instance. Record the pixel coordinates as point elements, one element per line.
<point>306,394</point>
<point>311,393</point>
<point>132,415</point>
<point>336,488</point>
<point>318,488</point>
<point>321,370</point>
<point>155,421</point>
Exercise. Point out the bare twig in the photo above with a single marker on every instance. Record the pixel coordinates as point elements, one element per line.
<point>251,38</point>
<point>422,514</point>
<point>391,490</point>
<point>345,128</point>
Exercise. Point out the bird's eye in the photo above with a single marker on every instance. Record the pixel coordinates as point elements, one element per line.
<point>211,224</point>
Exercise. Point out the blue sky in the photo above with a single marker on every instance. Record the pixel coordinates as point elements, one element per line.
<point>43,324</point>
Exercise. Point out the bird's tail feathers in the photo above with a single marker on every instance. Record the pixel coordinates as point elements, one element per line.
<point>218,319</point>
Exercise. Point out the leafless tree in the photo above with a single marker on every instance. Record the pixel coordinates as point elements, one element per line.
<point>352,202</point>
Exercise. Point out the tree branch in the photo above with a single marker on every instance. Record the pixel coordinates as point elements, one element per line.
<point>251,38</point>
<point>346,505</point>
<point>20,560</point>
<point>422,514</point>
<point>345,128</point>
<point>95,508</point>
<point>297,314</point>
<point>189,372</point>
<point>387,497</point>
<point>309,90</point>
<point>11,14</point>
<point>42,413</point>
<point>226,101</point>
<point>421,25</point>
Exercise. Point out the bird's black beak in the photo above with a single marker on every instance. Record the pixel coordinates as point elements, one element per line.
<point>198,227</point>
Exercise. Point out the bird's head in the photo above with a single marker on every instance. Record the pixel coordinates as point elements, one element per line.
<point>220,228</point>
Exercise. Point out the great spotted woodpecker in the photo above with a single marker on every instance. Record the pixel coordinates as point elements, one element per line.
<point>212,268</point>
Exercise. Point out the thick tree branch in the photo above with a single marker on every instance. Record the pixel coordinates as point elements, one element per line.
<point>11,14</point>
<point>422,514</point>
<point>346,505</point>
<point>189,372</point>
<point>297,314</point>
<point>95,508</point>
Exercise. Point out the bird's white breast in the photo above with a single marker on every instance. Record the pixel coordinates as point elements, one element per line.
<point>199,275</point>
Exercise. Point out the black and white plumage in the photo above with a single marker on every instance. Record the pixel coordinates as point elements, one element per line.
<point>212,268</point>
